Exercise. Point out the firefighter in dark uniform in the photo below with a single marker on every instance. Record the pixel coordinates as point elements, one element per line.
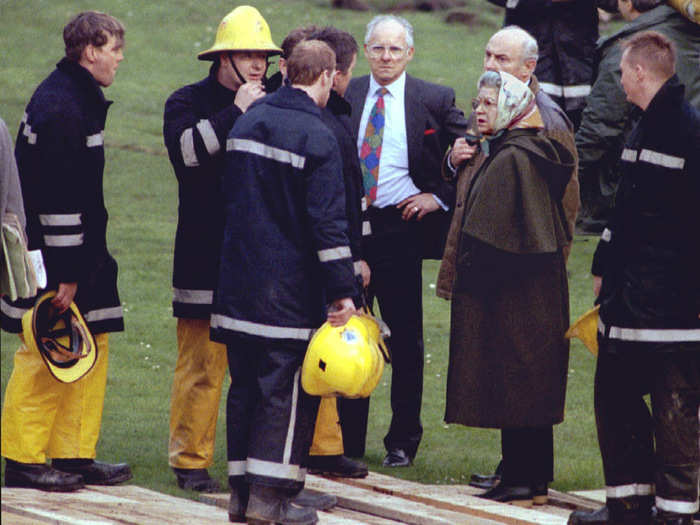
<point>649,327</point>
<point>197,120</point>
<point>60,157</point>
<point>285,261</point>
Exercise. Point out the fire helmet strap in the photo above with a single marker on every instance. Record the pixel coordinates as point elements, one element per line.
<point>235,70</point>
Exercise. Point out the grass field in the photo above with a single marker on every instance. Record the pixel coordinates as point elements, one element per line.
<point>162,41</point>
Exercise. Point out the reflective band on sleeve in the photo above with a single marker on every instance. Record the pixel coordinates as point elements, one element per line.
<point>333,254</point>
<point>679,507</point>
<point>263,330</point>
<point>625,491</point>
<point>291,425</point>
<point>193,296</point>
<point>263,150</point>
<point>60,219</point>
<point>606,235</point>
<point>630,155</point>
<point>357,266</point>
<point>211,141</point>
<point>12,311</point>
<point>104,314</point>
<point>189,156</point>
<point>576,91</point>
<point>98,139</point>
<point>236,468</point>
<point>650,335</point>
<point>364,203</point>
<point>272,470</point>
<point>661,159</point>
<point>27,131</point>
<point>366,228</point>
<point>63,241</point>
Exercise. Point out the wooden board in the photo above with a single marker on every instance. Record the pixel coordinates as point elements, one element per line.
<point>125,504</point>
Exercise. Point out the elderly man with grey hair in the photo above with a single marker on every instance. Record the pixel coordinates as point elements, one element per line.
<point>512,50</point>
<point>403,127</point>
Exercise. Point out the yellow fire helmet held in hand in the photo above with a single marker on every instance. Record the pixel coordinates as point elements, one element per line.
<point>243,29</point>
<point>63,340</point>
<point>586,329</point>
<point>345,361</point>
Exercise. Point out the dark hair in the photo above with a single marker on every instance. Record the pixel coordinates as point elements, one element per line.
<point>294,37</point>
<point>342,42</point>
<point>652,49</point>
<point>309,60</point>
<point>90,27</point>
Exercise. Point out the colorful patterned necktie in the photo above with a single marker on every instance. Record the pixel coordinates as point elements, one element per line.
<point>372,147</point>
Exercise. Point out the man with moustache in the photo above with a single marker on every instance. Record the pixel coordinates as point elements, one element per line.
<point>197,120</point>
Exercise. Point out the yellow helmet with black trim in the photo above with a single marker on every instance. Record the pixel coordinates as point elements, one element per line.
<point>62,339</point>
<point>345,361</point>
<point>243,29</point>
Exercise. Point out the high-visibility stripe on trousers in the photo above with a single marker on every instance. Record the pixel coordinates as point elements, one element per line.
<point>196,394</point>
<point>42,417</point>
<point>328,438</point>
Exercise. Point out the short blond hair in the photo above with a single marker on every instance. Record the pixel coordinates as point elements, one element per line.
<point>652,50</point>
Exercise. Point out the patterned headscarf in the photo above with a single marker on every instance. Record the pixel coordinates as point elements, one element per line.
<point>516,105</point>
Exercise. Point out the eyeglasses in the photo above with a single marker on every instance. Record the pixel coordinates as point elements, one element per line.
<point>487,102</point>
<point>377,51</point>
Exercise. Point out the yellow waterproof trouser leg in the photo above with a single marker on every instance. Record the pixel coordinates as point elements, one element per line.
<point>43,417</point>
<point>196,394</point>
<point>328,439</point>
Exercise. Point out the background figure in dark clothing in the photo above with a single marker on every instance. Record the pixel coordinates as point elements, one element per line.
<point>566,33</point>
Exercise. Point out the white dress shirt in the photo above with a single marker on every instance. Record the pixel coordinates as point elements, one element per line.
<point>394,184</point>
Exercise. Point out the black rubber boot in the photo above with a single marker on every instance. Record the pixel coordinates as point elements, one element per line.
<point>238,503</point>
<point>40,476</point>
<point>274,505</point>
<point>633,510</point>
<point>315,500</point>
<point>671,518</point>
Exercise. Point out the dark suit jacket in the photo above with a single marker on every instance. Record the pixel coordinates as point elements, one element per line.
<point>433,122</point>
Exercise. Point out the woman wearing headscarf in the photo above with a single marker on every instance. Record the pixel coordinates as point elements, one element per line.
<point>510,304</point>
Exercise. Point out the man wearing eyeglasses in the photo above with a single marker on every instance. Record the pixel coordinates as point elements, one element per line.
<point>404,126</point>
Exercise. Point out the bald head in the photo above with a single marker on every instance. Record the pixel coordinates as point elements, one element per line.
<point>513,50</point>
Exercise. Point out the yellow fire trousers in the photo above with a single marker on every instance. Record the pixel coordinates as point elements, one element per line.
<point>42,417</point>
<point>196,393</point>
<point>328,439</point>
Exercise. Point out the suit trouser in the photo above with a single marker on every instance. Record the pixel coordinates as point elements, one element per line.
<point>625,372</point>
<point>196,394</point>
<point>269,418</point>
<point>42,417</point>
<point>393,255</point>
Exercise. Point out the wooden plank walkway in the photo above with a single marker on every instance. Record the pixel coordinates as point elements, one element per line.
<point>375,500</point>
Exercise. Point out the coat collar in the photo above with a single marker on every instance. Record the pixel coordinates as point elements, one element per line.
<point>83,78</point>
<point>669,96</point>
<point>293,98</point>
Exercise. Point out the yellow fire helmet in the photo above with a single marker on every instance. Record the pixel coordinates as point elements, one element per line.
<point>586,329</point>
<point>345,361</point>
<point>243,29</point>
<point>63,340</point>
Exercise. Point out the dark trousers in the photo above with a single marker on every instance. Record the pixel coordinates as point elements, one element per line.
<point>269,418</point>
<point>393,255</point>
<point>627,431</point>
<point>528,456</point>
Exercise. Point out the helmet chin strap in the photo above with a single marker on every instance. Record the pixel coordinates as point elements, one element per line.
<point>241,79</point>
<point>235,70</point>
